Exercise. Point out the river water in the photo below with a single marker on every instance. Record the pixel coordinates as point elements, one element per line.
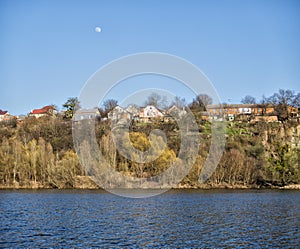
<point>176,219</point>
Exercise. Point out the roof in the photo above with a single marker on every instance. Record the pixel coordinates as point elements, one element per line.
<point>87,111</point>
<point>43,110</point>
<point>2,112</point>
<point>225,106</point>
<point>173,107</point>
<point>151,106</point>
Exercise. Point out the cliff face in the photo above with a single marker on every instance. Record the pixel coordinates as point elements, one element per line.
<point>287,133</point>
<point>281,142</point>
<point>256,155</point>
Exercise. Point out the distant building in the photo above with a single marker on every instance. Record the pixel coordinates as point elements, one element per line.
<point>176,111</point>
<point>173,113</point>
<point>144,114</point>
<point>4,116</point>
<point>246,112</point>
<point>150,112</point>
<point>87,114</point>
<point>119,115</point>
<point>45,111</point>
<point>293,111</point>
<point>241,109</point>
<point>229,112</point>
<point>134,112</point>
<point>133,109</point>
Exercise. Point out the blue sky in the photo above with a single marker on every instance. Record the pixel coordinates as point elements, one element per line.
<point>48,49</point>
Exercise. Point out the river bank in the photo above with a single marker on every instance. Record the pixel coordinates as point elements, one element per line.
<point>84,182</point>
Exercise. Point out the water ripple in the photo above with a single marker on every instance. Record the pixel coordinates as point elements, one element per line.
<point>177,219</point>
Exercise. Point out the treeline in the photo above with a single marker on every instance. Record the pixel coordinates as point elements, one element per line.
<point>39,153</point>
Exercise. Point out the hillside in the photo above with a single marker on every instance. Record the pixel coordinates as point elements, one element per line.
<point>38,153</point>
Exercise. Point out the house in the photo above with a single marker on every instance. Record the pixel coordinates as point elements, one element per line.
<point>119,115</point>
<point>45,111</point>
<point>134,112</point>
<point>247,112</point>
<point>176,111</point>
<point>4,116</point>
<point>234,112</point>
<point>150,112</point>
<point>133,109</point>
<point>146,114</point>
<point>293,111</point>
<point>87,114</point>
<point>241,109</point>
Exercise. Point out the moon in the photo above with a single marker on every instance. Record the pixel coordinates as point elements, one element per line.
<point>98,29</point>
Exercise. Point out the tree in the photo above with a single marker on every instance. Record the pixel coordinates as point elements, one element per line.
<point>71,105</point>
<point>108,105</point>
<point>264,100</point>
<point>283,97</point>
<point>178,102</point>
<point>248,100</point>
<point>282,100</point>
<point>284,164</point>
<point>200,102</point>
<point>32,152</point>
<point>156,100</point>
<point>296,101</point>
<point>204,99</point>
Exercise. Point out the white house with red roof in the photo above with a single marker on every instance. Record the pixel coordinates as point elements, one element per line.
<point>48,110</point>
<point>4,115</point>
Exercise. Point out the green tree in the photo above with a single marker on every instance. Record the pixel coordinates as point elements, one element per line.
<point>71,105</point>
<point>284,165</point>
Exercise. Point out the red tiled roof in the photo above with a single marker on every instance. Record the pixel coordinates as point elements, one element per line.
<point>2,112</point>
<point>43,110</point>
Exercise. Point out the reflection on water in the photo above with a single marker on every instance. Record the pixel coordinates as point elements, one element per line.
<point>186,218</point>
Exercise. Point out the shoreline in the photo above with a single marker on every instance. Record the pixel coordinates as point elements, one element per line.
<point>180,187</point>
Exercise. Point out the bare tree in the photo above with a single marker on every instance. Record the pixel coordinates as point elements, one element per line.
<point>282,100</point>
<point>108,105</point>
<point>296,101</point>
<point>248,99</point>
<point>200,102</point>
<point>283,97</point>
<point>178,102</point>
<point>204,99</point>
<point>157,100</point>
<point>264,100</point>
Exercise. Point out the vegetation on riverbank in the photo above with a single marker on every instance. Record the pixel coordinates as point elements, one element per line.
<point>39,154</point>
